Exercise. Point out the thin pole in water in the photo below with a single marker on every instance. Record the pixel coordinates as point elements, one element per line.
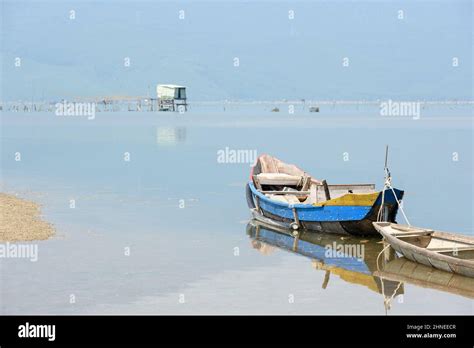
<point>387,172</point>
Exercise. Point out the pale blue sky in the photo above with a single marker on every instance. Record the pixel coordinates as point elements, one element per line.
<point>279,58</point>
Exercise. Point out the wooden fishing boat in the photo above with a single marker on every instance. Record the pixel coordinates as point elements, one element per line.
<point>288,197</point>
<point>441,250</point>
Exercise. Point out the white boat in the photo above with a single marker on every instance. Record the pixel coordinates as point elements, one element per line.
<point>442,250</point>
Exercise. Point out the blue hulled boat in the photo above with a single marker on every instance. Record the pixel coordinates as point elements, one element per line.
<point>284,195</point>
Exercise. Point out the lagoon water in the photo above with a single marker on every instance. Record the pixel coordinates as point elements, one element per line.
<point>166,232</point>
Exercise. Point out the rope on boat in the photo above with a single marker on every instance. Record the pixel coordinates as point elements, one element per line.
<point>388,185</point>
<point>400,206</point>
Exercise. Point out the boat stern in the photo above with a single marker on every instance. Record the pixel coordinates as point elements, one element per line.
<point>388,201</point>
<point>389,213</point>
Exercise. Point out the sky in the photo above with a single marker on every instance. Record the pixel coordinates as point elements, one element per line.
<point>388,53</point>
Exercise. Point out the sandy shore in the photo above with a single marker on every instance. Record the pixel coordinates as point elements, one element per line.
<point>20,221</point>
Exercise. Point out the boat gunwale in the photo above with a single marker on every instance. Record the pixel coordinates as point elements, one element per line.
<point>263,197</point>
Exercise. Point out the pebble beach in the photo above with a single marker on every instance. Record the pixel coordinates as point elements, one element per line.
<point>21,220</point>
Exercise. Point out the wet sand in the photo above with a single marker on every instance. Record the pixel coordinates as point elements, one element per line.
<point>20,220</point>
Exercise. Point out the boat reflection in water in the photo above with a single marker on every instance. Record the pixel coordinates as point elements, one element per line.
<point>366,262</point>
<point>404,270</point>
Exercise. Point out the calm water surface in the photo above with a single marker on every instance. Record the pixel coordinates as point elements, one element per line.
<point>184,220</point>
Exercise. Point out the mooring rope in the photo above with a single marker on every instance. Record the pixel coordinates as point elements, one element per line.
<point>388,185</point>
<point>400,206</point>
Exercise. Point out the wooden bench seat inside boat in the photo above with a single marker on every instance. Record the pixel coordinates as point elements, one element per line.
<point>413,233</point>
<point>295,193</point>
<point>407,231</point>
<point>408,228</point>
<point>280,179</point>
